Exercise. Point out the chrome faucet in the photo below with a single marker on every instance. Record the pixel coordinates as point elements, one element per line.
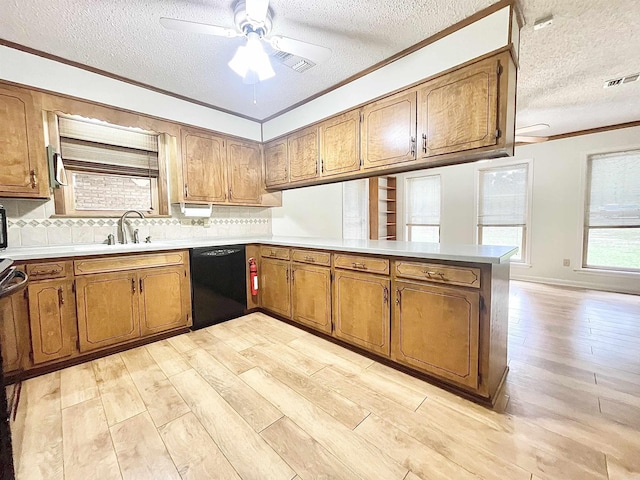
<point>122,231</point>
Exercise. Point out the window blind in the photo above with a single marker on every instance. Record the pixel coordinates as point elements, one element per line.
<point>104,148</point>
<point>423,200</point>
<point>614,193</point>
<point>355,209</point>
<point>503,195</point>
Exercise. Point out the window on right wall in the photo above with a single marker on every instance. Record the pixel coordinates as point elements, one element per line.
<point>503,207</point>
<point>612,213</point>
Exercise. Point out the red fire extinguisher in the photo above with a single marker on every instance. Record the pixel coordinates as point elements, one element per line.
<point>253,275</point>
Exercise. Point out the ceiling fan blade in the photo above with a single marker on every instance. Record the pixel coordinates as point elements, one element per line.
<point>257,10</point>
<point>195,27</point>
<point>528,139</point>
<point>315,53</point>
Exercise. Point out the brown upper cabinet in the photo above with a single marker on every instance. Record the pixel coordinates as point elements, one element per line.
<point>220,170</point>
<point>340,144</point>
<point>23,157</point>
<point>276,163</point>
<point>389,131</point>
<point>244,172</point>
<point>203,167</point>
<point>462,115</point>
<point>459,111</point>
<point>303,148</point>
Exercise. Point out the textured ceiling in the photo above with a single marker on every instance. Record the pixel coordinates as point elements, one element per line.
<point>560,82</point>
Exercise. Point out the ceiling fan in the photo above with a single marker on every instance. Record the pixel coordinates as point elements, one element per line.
<point>520,138</point>
<point>253,20</point>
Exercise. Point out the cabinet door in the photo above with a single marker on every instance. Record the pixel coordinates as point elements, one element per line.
<point>52,309</point>
<point>107,309</point>
<point>164,299</point>
<point>389,131</point>
<point>304,152</point>
<point>13,313</point>
<point>275,163</point>
<point>244,172</point>
<point>311,296</point>
<point>275,294</point>
<point>339,140</point>
<point>361,311</point>
<point>435,329</point>
<point>459,111</point>
<point>22,152</point>
<point>203,167</point>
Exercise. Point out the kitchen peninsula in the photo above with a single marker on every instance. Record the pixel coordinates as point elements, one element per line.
<point>437,311</point>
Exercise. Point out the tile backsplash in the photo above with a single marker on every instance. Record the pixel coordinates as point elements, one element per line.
<point>33,223</point>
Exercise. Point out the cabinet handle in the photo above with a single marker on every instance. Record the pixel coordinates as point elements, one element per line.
<point>386,295</point>
<point>433,274</point>
<point>45,272</point>
<point>60,296</point>
<point>186,191</point>
<point>413,146</point>
<point>397,296</point>
<point>293,277</point>
<point>424,143</point>
<point>322,165</point>
<point>286,273</point>
<point>133,285</point>
<point>360,266</point>
<point>272,253</point>
<point>310,259</point>
<point>230,193</point>
<point>140,285</point>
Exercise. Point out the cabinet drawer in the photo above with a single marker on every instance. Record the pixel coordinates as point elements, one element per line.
<point>433,272</point>
<point>367,264</point>
<point>308,256</point>
<point>41,271</point>
<point>275,252</point>
<point>131,262</point>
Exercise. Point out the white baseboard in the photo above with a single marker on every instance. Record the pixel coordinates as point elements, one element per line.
<point>570,283</point>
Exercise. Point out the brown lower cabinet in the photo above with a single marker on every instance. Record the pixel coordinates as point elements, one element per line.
<point>447,320</point>
<point>74,307</point>
<point>108,309</point>
<point>311,296</point>
<point>361,310</point>
<point>52,317</point>
<point>275,291</point>
<point>13,336</point>
<point>435,330</point>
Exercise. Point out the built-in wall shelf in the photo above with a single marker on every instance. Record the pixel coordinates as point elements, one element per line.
<point>382,208</point>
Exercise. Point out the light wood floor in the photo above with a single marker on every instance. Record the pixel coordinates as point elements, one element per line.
<point>255,398</point>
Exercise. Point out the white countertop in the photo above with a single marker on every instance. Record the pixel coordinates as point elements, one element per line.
<point>433,251</point>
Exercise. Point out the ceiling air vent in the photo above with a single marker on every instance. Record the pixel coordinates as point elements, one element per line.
<point>294,62</point>
<point>619,81</point>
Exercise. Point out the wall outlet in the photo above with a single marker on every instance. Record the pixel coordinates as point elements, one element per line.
<point>566,262</point>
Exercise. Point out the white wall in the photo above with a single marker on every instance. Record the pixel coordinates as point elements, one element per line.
<point>558,169</point>
<point>309,212</point>
<point>479,38</point>
<point>27,69</point>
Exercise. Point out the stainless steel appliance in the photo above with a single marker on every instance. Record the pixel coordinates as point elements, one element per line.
<point>12,281</point>
<point>218,284</point>
<point>3,228</point>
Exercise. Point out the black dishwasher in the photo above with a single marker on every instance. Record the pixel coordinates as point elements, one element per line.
<point>218,284</point>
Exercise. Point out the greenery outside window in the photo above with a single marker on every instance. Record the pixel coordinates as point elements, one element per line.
<point>612,213</point>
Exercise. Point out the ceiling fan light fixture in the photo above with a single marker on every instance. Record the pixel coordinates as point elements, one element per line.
<point>251,61</point>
